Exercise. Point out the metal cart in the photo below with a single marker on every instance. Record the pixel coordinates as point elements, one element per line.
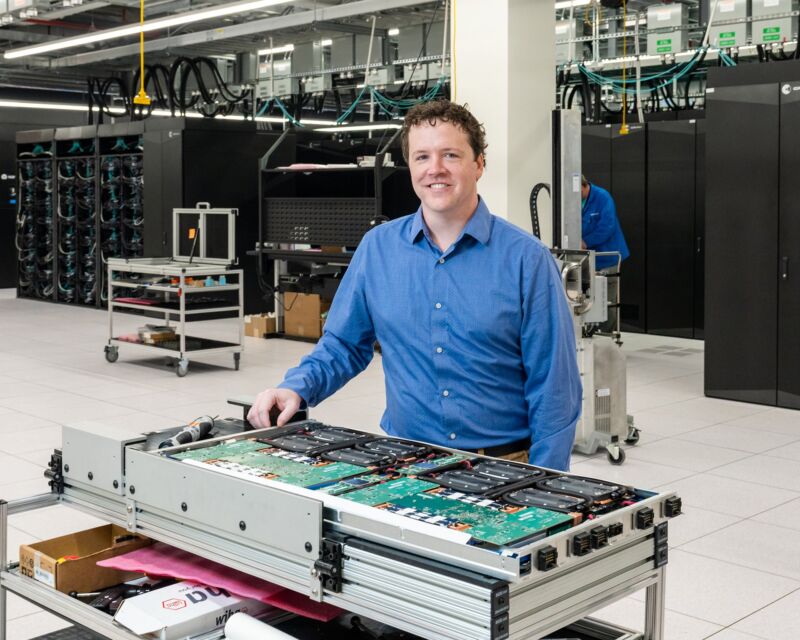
<point>183,346</point>
<point>203,248</point>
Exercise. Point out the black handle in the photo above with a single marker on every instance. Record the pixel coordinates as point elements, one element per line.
<point>698,244</point>
<point>785,268</point>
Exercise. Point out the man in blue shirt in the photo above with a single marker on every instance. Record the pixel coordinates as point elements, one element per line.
<point>476,334</point>
<point>599,224</point>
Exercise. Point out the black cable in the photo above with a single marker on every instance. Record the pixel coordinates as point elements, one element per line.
<point>535,208</point>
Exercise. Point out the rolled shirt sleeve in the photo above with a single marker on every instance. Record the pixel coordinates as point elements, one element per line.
<point>346,346</point>
<point>552,386</point>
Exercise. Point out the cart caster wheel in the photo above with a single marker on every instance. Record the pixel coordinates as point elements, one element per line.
<point>183,368</point>
<point>616,457</point>
<point>633,436</point>
<point>112,354</point>
<point>236,359</point>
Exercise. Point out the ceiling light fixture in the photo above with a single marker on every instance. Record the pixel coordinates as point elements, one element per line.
<point>393,32</point>
<point>287,48</point>
<point>360,127</point>
<point>325,43</point>
<point>566,4</point>
<point>63,106</point>
<point>134,29</point>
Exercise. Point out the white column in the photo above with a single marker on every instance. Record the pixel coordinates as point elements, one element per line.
<point>504,71</point>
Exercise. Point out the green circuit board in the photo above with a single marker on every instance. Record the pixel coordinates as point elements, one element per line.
<point>389,491</point>
<point>426,466</point>
<point>353,483</point>
<point>495,526</point>
<point>256,459</point>
<point>398,491</point>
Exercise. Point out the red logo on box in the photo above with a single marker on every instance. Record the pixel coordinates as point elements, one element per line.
<point>173,604</point>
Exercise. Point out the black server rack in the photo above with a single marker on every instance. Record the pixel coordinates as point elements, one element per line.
<point>191,160</point>
<point>120,149</point>
<point>35,224</point>
<point>788,310</point>
<point>8,214</point>
<point>596,155</point>
<point>699,281</point>
<point>671,227</point>
<point>662,166</point>
<point>742,260</point>
<point>75,190</point>
<point>629,171</point>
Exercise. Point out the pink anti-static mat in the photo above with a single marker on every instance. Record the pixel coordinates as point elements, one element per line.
<point>161,560</point>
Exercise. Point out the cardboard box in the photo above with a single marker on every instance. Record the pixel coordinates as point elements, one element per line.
<point>183,609</point>
<point>303,315</point>
<point>40,561</point>
<point>257,326</point>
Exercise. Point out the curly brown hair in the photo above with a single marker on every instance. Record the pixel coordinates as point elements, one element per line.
<point>445,111</point>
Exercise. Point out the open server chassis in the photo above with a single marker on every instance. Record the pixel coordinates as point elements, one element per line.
<point>385,569</point>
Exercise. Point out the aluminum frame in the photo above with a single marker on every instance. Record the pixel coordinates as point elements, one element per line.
<point>405,577</point>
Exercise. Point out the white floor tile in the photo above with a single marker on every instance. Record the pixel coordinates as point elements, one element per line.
<point>52,522</point>
<point>712,409</point>
<point>787,515</point>
<point>718,592</point>
<point>17,607</point>
<point>25,488</point>
<point>667,425</point>
<point>753,440</point>
<point>752,544</point>
<point>687,455</point>
<point>18,442</point>
<point>14,469</point>
<point>789,451</point>
<point>34,625</point>
<point>629,613</point>
<point>695,523</point>
<point>633,471</point>
<point>730,634</point>
<point>764,470</point>
<point>777,420</point>
<point>727,495</point>
<point>778,621</point>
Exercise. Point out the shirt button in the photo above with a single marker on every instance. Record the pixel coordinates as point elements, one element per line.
<point>452,436</point>
<point>441,260</point>
<point>439,349</point>
<point>445,393</point>
<point>438,305</point>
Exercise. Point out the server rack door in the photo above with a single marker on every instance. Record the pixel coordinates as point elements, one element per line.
<point>742,243</point>
<point>699,228</point>
<point>8,214</point>
<point>629,189</point>
<point>789,250</point>
<point>596,154</point>
<point>670,228</point>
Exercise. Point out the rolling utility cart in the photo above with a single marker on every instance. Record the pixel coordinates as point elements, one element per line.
<point>449,546</point>
<point>196,283</point>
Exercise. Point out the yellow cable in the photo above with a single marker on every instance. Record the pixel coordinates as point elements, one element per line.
<point>623,130</point>
<point>141,97</point>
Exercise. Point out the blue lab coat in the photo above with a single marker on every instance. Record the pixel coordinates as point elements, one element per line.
<point>600,227</point>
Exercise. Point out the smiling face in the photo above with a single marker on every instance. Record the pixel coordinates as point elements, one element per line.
<point>444,169</point>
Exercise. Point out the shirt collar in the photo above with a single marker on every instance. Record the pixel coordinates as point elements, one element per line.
<point>479,226</point>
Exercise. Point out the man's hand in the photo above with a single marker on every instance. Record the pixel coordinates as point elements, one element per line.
<point>287,401</point>
<point>583,245</point>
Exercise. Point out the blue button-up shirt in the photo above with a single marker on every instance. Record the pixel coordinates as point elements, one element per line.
<point>600,227</point>
<point>477,341</point>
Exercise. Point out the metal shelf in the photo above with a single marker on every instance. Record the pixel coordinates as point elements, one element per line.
<point>180,347</point>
